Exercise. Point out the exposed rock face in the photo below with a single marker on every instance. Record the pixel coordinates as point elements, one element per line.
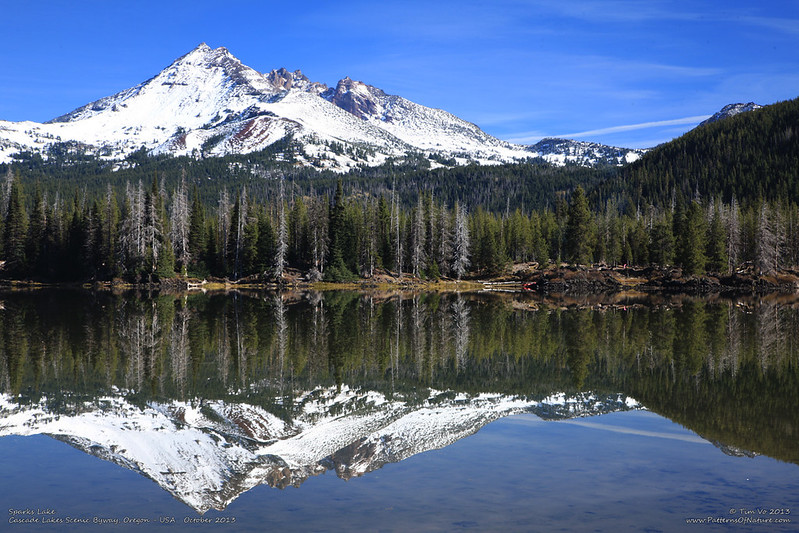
<point>284,80</point>
<point>356,98</point>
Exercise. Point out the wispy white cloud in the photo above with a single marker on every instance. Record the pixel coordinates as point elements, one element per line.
<point>640,126</point>
<point>618,10</point>
<point>535,136</point>
<point>784,25</point>
<point>527,137</point>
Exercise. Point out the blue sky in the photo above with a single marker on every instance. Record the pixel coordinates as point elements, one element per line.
<point>630,73</point>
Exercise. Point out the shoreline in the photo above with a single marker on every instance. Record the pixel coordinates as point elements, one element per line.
<point>564,279</point>
<point>602,279</point>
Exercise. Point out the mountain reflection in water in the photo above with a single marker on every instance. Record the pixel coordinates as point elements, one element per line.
<point>211,395</point>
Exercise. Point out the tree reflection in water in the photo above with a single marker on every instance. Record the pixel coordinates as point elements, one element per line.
<point>726,369</point>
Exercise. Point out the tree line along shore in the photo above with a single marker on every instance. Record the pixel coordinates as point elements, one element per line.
<point>150,235</point>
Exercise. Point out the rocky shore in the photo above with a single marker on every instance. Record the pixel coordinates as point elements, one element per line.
<point>583,280</point>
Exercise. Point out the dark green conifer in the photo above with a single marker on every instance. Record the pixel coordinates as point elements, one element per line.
<point>579,230</point>
<point>716,244</point>
<point>15,231</point>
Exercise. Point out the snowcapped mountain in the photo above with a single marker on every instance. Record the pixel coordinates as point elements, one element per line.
<point>731,110</point>
<point>207,103</point>
<point>583,153</point>
<point>207,453</point>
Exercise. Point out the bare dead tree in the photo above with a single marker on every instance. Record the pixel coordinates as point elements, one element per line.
<point>223,223</point>
<point>460,245</point>
<point>460,329</point>
<point>768,241</point>
<point>282,234</point>
<point>733,225</point>
<point>418,239</point>
<point>180,223</point>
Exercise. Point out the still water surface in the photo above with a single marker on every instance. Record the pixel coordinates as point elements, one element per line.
<point>379,412</point>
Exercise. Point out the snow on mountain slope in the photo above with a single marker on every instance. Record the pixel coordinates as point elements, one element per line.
<point>731,110</point>
<point>207,453</point>
<point>185,96</point>
<point>207,103</point>
<point>562,151</point>
<point>419,126</point>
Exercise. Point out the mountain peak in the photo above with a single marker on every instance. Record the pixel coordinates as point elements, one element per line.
<point>208,103</point>
<point>731,110</point>
<point>357,98</point>
<point>584,153</point>
<point>204,55</point>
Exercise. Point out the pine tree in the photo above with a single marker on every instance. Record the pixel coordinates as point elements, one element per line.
<point>384,248</point>
<point>15,231</point>
<point>92,234</point>
<point>691,240</point>
<point>198,237</point>
<point>579,229</point>
<point>36,235</point>
<point>353,239</point>
<point>369,253</point>
<point>250,259</point>
<point>639,242</point>
<point>265,245</point>
<point>397,231</point>
<point>661,250</point>
<point>53,247</point>
<point>716,246</point>
<point>518,236</point>
<point>299,242</point>
<point>236,240</point>
<point>616,237</point>
<point>109,234</point>
<point>337,269</point>
<point>6,192</point>
<point>223,231</point>
<point>488,254</point>
<point>75,266</point>
<point>538,244</point>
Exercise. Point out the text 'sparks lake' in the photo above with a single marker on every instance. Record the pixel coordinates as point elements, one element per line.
<point>345,411</point>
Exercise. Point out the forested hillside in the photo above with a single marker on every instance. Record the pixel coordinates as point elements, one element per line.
<point>750,156</point>
<point>536,185</point>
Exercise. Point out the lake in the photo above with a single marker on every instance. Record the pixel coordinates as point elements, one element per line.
<point>384,411</point>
